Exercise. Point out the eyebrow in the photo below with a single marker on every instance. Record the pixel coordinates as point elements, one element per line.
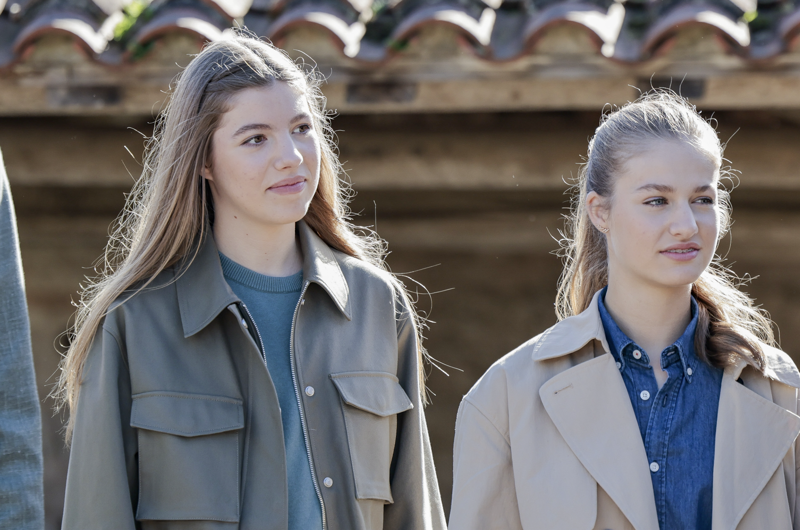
<point>665,188</point>
<point>251,127</point>
<point>263,126</point>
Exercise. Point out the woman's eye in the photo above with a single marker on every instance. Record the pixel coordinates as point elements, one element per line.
<point>658,201</point>
<point>302,129</point>
<point>706,200</point>
<point>255,140</point>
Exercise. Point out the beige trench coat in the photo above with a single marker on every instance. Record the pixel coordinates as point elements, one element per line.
<point>547,440</point>
<point>178,423</point>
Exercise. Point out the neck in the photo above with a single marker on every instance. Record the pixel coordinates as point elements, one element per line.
<point>653,317</point>
<point>272,250</point>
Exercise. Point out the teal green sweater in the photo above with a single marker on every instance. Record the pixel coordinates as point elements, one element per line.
<point>271,302</point>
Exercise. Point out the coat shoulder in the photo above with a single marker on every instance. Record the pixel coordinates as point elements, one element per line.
<point>358,270</point>
<point>780,366</point>
<point>142,297</point>
<point>490,394</point>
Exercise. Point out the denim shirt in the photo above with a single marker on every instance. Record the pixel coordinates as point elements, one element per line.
<point>678,423</point>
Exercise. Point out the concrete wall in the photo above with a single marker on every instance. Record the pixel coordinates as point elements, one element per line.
<point>471,199</point>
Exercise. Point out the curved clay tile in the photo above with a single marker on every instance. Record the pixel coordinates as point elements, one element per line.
<point>230,9</point>
<point>76,25</point>
<point>603,26</point>
<point>184,20</point>
<point>736,33</point>
<point>478,30</point>
<point>277,6</point>
<point>348,36</point>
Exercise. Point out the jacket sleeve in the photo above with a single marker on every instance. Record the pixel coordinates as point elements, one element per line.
<point>796,514</point>
<point>484,495</point>
<point>102,480</point>
<point>21,496</point>
<point>417,503</point>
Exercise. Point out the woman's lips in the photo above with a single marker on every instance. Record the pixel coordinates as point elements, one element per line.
<point>681,254</point>
<point>288,186</point>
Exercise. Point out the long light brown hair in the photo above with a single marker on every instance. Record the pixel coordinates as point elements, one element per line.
<point>729,325</point>
<point>165,214</point>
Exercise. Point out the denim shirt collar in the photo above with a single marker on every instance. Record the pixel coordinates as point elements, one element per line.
<point>622,346</point>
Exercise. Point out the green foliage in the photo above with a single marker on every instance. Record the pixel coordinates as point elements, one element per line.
<point>132,12</point>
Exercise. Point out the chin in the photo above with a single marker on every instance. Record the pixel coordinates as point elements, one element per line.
<point>674,280</point>
<point>288,214</point>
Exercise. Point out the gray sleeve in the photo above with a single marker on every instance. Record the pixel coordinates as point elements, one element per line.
<point>21,490</point>
<point>417,503</point>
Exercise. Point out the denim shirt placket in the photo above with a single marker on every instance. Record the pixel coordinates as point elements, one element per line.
<point>657,425</point>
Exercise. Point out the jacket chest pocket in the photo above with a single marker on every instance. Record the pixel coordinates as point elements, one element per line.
<point>371,403</point>
<point>188,456</point>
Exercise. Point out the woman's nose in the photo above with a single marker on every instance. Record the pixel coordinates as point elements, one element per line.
<point>684,223</point>
<point>288,155</point>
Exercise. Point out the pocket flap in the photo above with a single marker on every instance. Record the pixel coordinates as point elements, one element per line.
<point>377,392</point>
<point>186,414</point>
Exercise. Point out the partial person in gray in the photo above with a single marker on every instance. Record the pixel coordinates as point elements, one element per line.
<point>21,490</point>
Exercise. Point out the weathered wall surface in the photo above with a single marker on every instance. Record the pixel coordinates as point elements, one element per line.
<point>474,197</point>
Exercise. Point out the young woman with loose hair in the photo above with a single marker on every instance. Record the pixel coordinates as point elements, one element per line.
<point>244,359</point>
<point>658,401</point>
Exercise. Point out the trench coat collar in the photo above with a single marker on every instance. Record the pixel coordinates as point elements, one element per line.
<point>203,292</point>
<point>572,334</point>
<point>753,436</point>
<point>591,409</point>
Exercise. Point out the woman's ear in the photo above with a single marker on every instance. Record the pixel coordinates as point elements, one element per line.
<point>206,173</point>
<point>598,210</point>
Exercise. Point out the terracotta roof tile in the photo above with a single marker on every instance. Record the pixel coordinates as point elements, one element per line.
<point>372,31</point>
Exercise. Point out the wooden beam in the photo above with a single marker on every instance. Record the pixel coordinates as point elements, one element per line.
<point>515,153</point>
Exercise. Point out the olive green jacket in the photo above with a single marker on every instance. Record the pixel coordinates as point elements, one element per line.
<point>178,423</point>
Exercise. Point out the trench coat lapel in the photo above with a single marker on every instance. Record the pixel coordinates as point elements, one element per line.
<point>592,411</point>
<point>753,436</point>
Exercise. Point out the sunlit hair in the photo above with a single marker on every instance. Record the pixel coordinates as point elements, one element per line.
<point>165,214</point>
<point>729,325</point>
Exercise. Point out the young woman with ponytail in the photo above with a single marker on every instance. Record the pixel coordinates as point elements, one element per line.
<point>658,401</point>
<point>244,359</point>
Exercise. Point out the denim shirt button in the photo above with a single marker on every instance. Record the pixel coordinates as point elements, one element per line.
<point>645,395</point>
<point>654,466</point>
<point>637,354</point>
<point>689,371</point>
<point>619,365</point>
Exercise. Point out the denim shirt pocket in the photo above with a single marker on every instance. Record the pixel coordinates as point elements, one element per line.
<point>371,402</point>
<point>189,461</point>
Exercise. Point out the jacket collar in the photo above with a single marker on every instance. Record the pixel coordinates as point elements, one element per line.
<point>203,292</point>
<point>573,333</point>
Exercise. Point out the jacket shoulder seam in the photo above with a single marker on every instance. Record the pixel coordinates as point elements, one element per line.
<point>469,401</point>
<point>119,347</point>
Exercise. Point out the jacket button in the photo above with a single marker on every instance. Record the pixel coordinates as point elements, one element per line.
<point>689,371</point>
<point>645,395</point>
<point>328,482</point>
<point>637,354</point>
<point>244,323</point>
<point>654,466</point>
<point>309,391</point>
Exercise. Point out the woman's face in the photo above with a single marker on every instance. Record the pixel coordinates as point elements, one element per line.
<point>265,157</point>
<point>663,218</point>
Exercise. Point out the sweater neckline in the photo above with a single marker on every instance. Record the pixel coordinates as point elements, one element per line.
<point>257,281</point>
